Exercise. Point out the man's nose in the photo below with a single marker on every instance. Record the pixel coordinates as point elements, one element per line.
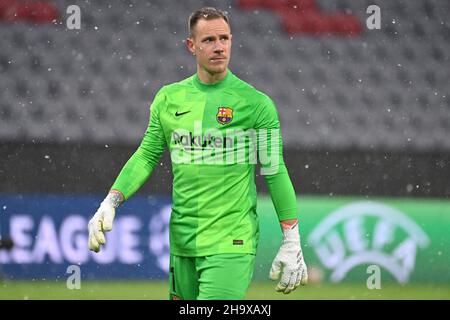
<point>218,47</point>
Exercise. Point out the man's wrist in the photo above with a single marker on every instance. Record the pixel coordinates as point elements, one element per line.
<point>290,230</point>
<point>288,224</point>
<point>114,198</point>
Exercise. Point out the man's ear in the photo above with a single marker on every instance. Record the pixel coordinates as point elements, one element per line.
<point>190,45</point>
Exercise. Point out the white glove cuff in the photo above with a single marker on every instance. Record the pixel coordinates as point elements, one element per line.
<point>291,234</point>
<point>112,199</point>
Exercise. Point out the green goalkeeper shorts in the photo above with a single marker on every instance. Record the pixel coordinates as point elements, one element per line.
<point>216,277</point>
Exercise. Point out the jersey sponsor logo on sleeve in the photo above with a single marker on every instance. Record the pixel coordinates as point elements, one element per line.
<point>238,242</point>
<point>224,115</point>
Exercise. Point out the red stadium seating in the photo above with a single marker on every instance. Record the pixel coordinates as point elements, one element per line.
<point>305,16</point>
<point>346,24</point>
<point>5,4</point>
<point>309,22</point>
<point>279,5</point>
<point>30,11</point>
<point>250,4</point>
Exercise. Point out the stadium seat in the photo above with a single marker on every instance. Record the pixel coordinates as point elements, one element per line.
<point>376,90</point>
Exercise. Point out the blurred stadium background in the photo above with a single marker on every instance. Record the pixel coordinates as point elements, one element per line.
<point>366,125</point>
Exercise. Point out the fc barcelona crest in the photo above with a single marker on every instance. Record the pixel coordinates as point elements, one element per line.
<point>224,115</point>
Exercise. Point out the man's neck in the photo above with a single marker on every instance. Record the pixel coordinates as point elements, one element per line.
<point>210,78</point>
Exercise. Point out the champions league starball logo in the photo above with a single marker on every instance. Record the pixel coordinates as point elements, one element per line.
<point>368,233</point>
<point>159,237</point>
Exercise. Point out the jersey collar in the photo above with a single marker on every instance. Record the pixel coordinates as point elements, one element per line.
<point>212,86</point>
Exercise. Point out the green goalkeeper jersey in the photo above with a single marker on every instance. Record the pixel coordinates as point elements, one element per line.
<point>216,134</point>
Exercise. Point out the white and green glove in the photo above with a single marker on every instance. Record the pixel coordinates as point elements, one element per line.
<point>289,262</point>
<point>102,221</point>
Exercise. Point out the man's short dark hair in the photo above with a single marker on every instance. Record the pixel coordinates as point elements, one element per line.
<point>207,13</point>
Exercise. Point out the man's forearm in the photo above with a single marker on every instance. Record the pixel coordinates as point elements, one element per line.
<point>282,194</point>
<point>133,175</point>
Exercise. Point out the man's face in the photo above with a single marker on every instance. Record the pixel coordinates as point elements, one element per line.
<point>211,44</point>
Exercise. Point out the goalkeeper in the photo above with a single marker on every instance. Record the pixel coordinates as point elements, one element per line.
<point>214,227</point>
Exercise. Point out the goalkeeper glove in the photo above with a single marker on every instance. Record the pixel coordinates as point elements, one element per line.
<point>289,262</point>
<point>102,220</point>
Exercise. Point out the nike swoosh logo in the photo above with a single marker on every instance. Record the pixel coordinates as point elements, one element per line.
<point>177,114</point>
